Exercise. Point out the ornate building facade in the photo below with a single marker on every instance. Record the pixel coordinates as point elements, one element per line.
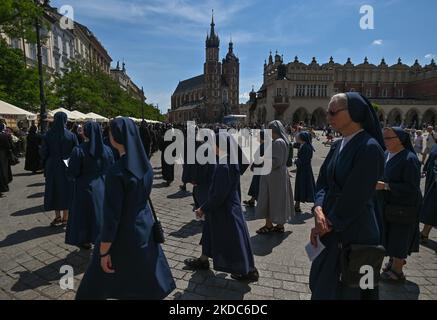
<point>296,91</point>
<point>208,97</point>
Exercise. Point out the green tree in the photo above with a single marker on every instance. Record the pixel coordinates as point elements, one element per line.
<point>18,84</point>
<point>17,18</point>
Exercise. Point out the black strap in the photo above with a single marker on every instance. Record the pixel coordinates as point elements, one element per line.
<point>153,210</point>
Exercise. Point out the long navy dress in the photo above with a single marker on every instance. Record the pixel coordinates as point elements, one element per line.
<point>141,269</point>
<point>305,185</point>
<point>57,146</point>
<point>225,236</point>
<point>429,211</point>
<point>402,173</point>
<point>33,159</point>
<point>84,220</point>
<point>428,168</point>
<point>254,185</point>
<point>346,191</point>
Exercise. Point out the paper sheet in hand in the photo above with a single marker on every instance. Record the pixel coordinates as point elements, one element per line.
<point>314,252</point>
<point>66,161</point>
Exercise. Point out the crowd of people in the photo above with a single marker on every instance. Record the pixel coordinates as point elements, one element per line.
<point>367,201</point>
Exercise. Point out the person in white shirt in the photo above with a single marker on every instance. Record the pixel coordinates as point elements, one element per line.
<point>431,140</point>
<point>418,142</point>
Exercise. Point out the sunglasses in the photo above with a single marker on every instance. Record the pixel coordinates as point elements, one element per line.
<point>334,113</point>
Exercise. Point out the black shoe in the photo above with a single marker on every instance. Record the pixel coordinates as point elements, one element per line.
<point>197,264</point>
<point>183,188</point>
<point>297,210</point>
<point>252,276</point>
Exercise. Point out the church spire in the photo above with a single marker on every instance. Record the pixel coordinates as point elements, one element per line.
<point>212,41</point>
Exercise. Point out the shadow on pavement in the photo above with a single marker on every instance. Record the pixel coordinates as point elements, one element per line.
<point>24,174</point>
<point>36,195</point>
<point>28,211</point>
<point>50,273</point>
<point>179,195</point>
<point>190,229</point>
<point>212,287</point>
<point>263,244</point>
<point>21,236</point>
<point>300,218</point>
<point>430,244</point>
<point>399,291</point>
<point>160,185</point>
<point>38,184</point>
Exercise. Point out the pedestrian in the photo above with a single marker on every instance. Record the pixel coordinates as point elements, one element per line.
<point>254,185</point>
<point>87,166</point>
<point>275,203</point>
<point>429,213</point>
<point>167,168</point>
<point>5,156</point>
<point>225,236</point>
<point>57,146</point>
<point>305,185</point>
<point>33,161</point>
<point>431,140</point>
<point>345,207</point>
<point>418,143</point>
<point>127,263</point>
<point>400,188</point>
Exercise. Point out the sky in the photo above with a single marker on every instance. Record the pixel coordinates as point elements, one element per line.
<point>163,41</point>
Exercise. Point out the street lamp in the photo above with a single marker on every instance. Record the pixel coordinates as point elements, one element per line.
<point>143,98</point>
<point>42,98</point>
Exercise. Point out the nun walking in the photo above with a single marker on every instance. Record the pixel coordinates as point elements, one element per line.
<point>345,210</point>
<point>166,168</point>
<point>33,161</point>
<point>87,166</point>
<point>127,263</point>
<point>275,201</point>
<point>401,191</point>
<point>225,236</point>
<point>254,185</point>
<point>305,185</point>
<point>57,146</point>
<point>429,212</point>
<point>5,166</point>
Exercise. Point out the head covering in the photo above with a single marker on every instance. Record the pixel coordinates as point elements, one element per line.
<point>59,121</point>
<point>404,137</point>
<point>95,144</point>
<point>362,111</point>
<point>223,138</point>
<point>306,137</point>
<point>2,127</point>
<point>277,127</point>
<point>32,130</point>
<point>125,132</point>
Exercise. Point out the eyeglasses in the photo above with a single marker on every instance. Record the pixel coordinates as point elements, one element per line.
<point>390,138</point>
<point>334,113</point>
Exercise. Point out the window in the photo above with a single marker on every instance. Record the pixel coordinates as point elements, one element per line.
<point>286,92</point>
<point>32,53</point>
<point>15,43</point>
<point>45,58</point>
<point>368,93</point>
<point>279,92</point>
<point>401,93</point>
<point>384,93</point>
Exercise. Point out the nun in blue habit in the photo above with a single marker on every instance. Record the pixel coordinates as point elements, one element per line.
<point>225,236</point>
<point>305,185</point>
<point>127,262</point>
<point>400,187</point>
<point>345,208</point>
<point>57,146</point>
<point>87,166</point>
<point>428,215</point>
<point>254,185</point>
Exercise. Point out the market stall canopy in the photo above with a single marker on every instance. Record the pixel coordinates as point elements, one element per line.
<point>8,110</point>
<point>79,115</point>
<point>52,113</point>
<point>97,117</point>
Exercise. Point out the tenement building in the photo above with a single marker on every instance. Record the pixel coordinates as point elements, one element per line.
<point>294,92</point>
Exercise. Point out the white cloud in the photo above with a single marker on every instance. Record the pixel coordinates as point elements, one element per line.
<point>378,42</point>
<point>430,56</point>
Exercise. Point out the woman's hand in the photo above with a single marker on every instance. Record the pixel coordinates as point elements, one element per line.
<point>106,264</point>
<point>199,213</point>
<point>380,185</point>
<point>313,237</point>
<point>322,224</point>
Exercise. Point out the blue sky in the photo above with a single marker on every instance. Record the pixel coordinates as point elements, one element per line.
<point>162,41</point>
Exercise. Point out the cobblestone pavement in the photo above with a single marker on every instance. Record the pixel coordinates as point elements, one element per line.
<point>31,253</point>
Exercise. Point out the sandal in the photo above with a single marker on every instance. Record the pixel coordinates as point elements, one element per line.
<point>389,264</point>
<point>265,230</point>
<point>56,222</point>
<point>279,229</point>
<point>393,276</point>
